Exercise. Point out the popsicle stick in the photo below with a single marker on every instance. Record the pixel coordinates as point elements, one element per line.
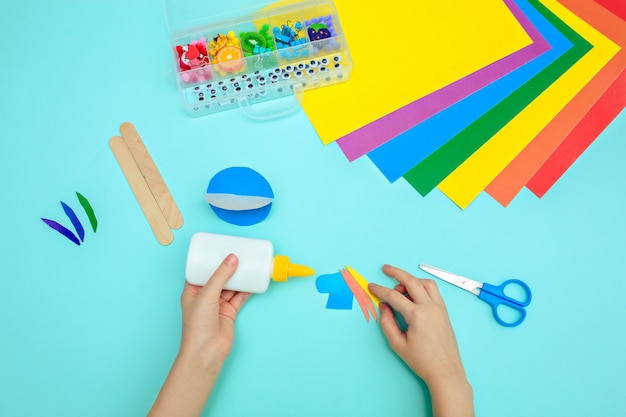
<point>152,175</point>
<point>142,192</point>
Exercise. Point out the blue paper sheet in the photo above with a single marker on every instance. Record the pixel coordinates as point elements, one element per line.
<point>399,155</point>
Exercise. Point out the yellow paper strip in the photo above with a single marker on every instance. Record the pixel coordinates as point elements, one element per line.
<point>363,283</point>
<point>465,183</point>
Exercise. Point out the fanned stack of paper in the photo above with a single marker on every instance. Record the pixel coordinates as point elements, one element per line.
<point>468,97</point>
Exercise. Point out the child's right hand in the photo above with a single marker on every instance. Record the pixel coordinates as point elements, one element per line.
<point>428,346</point>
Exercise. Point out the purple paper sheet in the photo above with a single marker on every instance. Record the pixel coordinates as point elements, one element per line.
<point>369,137</point>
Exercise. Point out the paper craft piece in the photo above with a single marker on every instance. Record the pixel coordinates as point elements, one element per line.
<point>465,184</point>
<point>143,194</point>
<point>617,7</point>
<point>71,215</point>
<point>75,222</point>
<point>407,150</point>
<point>513,178</point>
<point>448,40</point>
<point>436,167</point>
<point>152,176</point>
<point>378,132</point>
<point>62,229</point>
<point>363,284</point>
<point>240,196</point>
<point>595,121</point>
<point>89,210</point>
<point>339,294</point>
<point>343,286</point>
<point>365,302</point>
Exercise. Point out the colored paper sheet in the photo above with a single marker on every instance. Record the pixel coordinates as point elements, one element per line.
<point>412,48</point>
<point>475,174</point>
<point>617,7</point>
<point>425,176</point>
<point>599,117</point>
<point>513,178</point>
<point>407,150</point>
<point>369,137</point>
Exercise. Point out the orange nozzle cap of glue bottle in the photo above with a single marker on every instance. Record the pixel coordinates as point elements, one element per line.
<point>284,269</point>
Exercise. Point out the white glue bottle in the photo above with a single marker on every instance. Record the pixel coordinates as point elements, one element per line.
<point>257,263</point>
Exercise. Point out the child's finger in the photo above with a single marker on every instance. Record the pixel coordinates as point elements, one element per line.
<point>396,300</point>
<point>223,273</point>
<point>414,286</point>
<point>392,332</point>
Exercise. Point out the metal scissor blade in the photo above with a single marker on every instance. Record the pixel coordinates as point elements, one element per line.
<point>454,279</point>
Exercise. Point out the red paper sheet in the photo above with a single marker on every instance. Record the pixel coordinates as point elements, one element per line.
<point>515,176</point>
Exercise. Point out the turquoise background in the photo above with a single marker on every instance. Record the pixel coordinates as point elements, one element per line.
<point>93,330</point>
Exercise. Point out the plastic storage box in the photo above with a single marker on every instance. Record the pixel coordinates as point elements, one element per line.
<point>252,58</point>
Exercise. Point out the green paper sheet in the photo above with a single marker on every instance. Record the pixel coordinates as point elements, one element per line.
<point>425,176</point>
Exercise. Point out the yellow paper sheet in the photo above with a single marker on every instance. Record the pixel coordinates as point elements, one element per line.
<point>403,50</point>
<point>465,183</point>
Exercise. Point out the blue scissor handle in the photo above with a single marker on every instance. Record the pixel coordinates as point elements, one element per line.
<point>494,296</point>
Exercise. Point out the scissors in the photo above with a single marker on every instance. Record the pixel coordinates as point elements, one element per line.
<point>491,294</point>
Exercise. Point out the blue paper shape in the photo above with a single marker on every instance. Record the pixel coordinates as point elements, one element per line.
<point>241,182</point>
<point>396,157</point>
<point>339,295</point>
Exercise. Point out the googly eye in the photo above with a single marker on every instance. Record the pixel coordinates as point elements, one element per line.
<point>324,61</point>
<point>336,58</point>
<point>301,66</point>
<point>298,74</point>
<point>313,63</point>
<point>289,68</point>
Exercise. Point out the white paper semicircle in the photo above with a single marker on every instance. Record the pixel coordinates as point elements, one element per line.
<point>236,202</point>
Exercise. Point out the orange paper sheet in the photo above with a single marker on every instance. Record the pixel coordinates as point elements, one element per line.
<point>477,172</point>
<point>515,176</point>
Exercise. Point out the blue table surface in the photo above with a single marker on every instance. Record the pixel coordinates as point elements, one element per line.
<point>92,330</point>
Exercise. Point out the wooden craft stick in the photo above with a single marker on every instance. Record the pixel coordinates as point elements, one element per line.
<point>152,175</point>
<point>142,192</point>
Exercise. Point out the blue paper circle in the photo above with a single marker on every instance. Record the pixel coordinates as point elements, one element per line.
<point>241,182</point>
